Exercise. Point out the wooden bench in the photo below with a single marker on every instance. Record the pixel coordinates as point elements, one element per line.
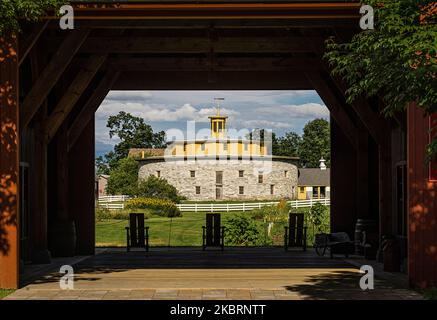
<point>213,233</point>
<point>296,232</point>
<point>137,235</point>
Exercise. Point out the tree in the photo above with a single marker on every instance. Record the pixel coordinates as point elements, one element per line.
<point>123,179</point>
<point>287,145</point>
<point>154,187</point>
<point>101,166</point>
<point>315,143</point>
<point>11,11</point>
<point>396,62</point>
<point>133,132</point>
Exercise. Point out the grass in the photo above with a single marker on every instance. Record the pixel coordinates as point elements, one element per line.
<point>430,294</point>
<point>5,292</point>
<point>180,231</point>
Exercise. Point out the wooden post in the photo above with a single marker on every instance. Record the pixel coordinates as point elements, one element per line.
<point>343,182</point>
<point>422,204</point>
<point>38,171</point>
<point>81,175</point>
<point>363,174</point>
<point>9,163</point>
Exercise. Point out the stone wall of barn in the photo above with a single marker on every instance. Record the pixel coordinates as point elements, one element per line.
<point>278,176</point>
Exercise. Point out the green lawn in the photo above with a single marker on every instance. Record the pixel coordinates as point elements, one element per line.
<point>5,292</point>
<point>180,231</point>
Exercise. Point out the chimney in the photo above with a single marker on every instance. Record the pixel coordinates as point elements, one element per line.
<point>322,164</point>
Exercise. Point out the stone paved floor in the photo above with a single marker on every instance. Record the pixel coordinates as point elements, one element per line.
<point>190,274</point>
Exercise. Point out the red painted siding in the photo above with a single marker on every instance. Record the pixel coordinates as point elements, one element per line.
<point>9,163</point>
<point>422,204</point>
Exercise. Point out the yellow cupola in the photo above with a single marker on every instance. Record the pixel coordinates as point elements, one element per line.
<point>218,123</point>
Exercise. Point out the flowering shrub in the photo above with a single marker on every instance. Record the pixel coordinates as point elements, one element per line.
<point>161,207</point>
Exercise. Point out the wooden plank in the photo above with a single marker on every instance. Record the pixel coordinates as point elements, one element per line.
<point>9,163</point>
<point>73,93</point>
<point>422,209</point>
<point>226,80</point>
<point>51,74</point>
<point>30,40</point>
<point>89,109</point>
<point>221,64</point>
<point>201,45</point>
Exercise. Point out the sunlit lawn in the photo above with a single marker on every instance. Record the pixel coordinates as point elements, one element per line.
<point>181,231</point>
<point>5,292</point>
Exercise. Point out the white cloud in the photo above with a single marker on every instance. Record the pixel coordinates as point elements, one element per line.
<point>125,96</point>
<point>315,110</point>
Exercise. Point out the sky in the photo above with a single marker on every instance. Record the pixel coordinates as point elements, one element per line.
<point>280,111</point>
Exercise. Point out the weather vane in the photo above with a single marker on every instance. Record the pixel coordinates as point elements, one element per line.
<point>218,104</point>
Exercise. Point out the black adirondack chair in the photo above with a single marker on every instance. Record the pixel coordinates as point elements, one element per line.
<point>296,232</point>
<point>213,232</point>
<point>137,235</point>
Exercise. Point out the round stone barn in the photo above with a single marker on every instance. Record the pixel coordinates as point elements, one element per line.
<point>221,168</point>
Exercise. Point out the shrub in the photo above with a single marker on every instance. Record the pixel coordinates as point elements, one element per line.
<point>123,179</point>
<point>160,207</point>
<point>242,230</point>
<point>154,187</point>
<point>318,217</point>
<point>105,214</point>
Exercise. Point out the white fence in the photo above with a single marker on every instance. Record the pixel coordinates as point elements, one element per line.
<point>117,203</point>
<point>112,202</point>
<point>227,207</point>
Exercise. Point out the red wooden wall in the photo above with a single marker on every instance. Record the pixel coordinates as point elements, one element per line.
<point>422,204</point>
<point>9,163</point>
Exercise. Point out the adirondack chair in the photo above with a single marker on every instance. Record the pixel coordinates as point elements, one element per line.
<point>137,235</point>
<point>296,232</point>
<point>213,232</point>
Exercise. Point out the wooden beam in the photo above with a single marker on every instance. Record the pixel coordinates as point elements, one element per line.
<point>374,122</point>
<point>221,64</point>
<point>198,80</point>
<point>51,74</point>
<point>9,163</point>
<point>195,45</point>
<point>89,109</point>
<point>73,93</point>
<point>335,106</point>
<point>30,40</point>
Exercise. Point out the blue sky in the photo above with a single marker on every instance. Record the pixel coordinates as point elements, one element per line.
<point>280,111</point>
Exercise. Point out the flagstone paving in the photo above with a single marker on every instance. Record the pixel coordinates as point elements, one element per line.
<point>191,274</point>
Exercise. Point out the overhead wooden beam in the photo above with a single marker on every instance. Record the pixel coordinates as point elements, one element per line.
<point>335,106</point>
<point>51,74</point>
<point>29,40</point>
<point>89,109</point>
<point>373,122</point>
<point>73,93</point>
<point>194,45</point>
<point>226,80</point>
<point>123,63</point>
<point>221,24</point>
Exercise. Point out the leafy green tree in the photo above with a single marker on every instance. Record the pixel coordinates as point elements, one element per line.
<point>133,132</point>
<point>154,187</point>
<point>287,145</point>
<point>102,166</point>
<point>315,143</point>
<point>396,62</point>
<point>12,11</point>
<point>242,230</point>
<point>123,179</point>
